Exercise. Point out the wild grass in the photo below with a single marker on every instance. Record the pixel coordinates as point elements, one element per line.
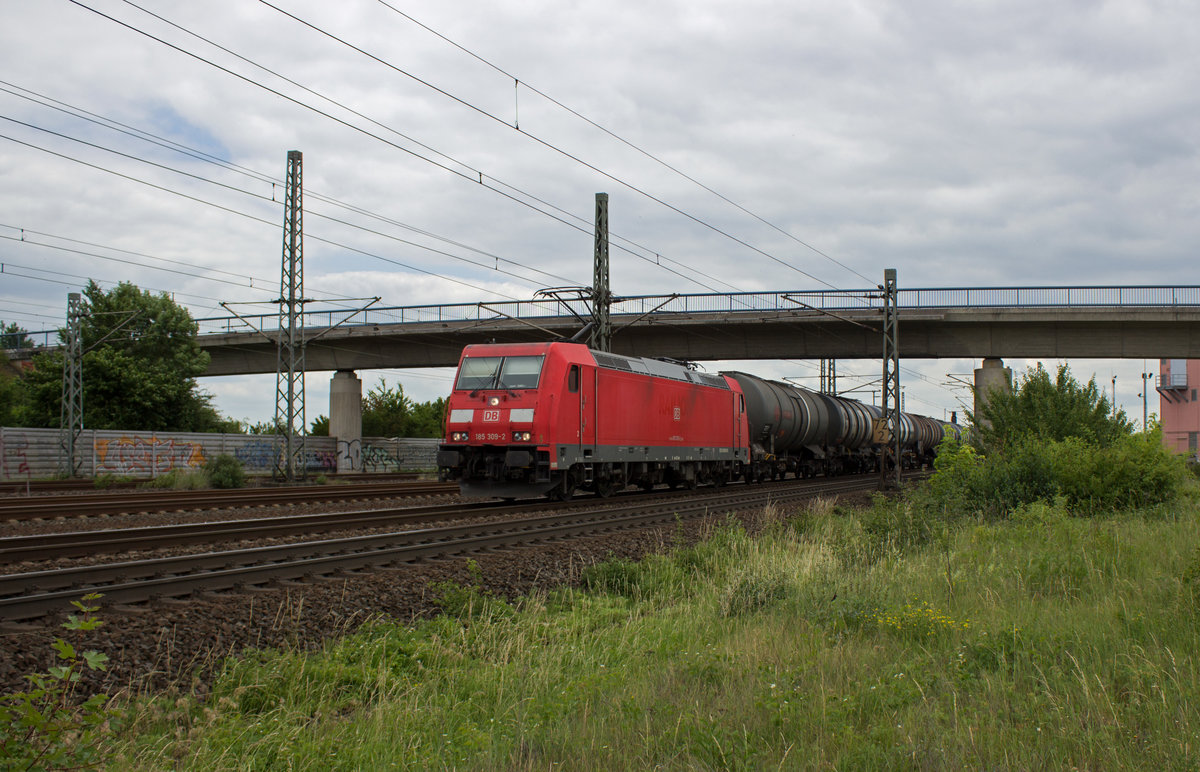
<point>834,639</point>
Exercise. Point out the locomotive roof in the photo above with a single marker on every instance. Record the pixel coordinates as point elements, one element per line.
<point>658,368</point>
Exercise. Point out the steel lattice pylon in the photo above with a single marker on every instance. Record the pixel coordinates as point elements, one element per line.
<point>890,452</point>
<point>601,338</point>
<point>289,375</point>
<point>829,376</point>
<point>70,424</point>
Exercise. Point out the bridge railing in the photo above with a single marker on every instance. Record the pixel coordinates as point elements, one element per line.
<point>637,305</point>
<point>827,300</point>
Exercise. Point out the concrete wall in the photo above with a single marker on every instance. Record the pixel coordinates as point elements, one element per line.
<point>31,454</point>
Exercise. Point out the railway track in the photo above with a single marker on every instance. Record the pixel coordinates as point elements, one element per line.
<point>35,594</point>
<point>28,487</point>
<point>94,504</point>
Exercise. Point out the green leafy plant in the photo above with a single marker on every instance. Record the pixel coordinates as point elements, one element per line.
<point>225,471</point>
<point>48,727</point>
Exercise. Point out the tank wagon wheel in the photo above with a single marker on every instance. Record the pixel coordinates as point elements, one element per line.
<point>647,486</point>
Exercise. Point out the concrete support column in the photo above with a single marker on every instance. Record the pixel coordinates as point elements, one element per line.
<point>345,419</point>
<point>992,375</point>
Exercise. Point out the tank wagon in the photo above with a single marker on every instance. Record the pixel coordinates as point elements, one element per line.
<point>528,419</point>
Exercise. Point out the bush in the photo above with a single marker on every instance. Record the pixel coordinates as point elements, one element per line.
<point>1133,471</point>
<point>49,726</point>
<point>225,471</point>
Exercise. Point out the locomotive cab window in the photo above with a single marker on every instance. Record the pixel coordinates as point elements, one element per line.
<point>499,373</point>
<point>573,379</point>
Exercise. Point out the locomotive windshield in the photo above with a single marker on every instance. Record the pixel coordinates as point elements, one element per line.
<point>499,373</point>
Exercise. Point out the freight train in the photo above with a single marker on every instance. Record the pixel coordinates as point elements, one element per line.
<point>530,419</point>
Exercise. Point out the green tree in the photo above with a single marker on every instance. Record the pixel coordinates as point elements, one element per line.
<point>13,336</point>
<point>12,394</point>
<point>427,419</point>
<point>385,411</point>
<point>140,366</point>
<point>1044,410</point>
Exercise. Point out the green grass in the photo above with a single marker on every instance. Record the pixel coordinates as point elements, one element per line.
<point>835,640</point>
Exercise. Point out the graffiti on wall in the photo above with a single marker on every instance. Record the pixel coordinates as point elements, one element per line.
<point>14,458</point>
<point>141,456</point>
<point>257,455</point>
<point>320,460</point>
<point>349,454</point>
<point>261,455</point>
<point>367,457</point>
<point>380,458</point>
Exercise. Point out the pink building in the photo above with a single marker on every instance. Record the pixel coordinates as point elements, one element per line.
<point>1179,409</point>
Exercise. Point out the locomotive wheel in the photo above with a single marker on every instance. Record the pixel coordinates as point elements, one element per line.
<point>605,487</point>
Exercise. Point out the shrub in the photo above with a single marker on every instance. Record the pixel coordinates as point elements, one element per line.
<point>225,471</point>
<point>48,727</point>
<point>1087,478</point>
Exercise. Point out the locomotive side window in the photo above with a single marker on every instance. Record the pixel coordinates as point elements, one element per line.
<point>573,379</point>
<point>499,373</point>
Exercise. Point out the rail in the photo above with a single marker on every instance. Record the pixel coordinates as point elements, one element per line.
<point>637,305</point>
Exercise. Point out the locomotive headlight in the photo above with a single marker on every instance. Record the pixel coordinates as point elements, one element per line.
<point>458,436</point>
<point>494,401</point>
<point>522,436</point>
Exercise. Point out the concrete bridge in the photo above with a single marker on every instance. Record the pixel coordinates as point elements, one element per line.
<point>977,323</point>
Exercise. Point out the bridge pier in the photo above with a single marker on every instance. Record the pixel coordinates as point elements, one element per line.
<point>992,375</point>
<point>345,419</point>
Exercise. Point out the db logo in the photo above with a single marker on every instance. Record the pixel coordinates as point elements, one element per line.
<point>491,415</point>
<point>677,413</point>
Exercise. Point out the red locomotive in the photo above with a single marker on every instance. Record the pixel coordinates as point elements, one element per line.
<point>527,419</point>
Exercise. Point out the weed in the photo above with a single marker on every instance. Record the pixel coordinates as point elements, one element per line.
<point>105,481</point>
<point>47,727</point>
<point>753,590</point>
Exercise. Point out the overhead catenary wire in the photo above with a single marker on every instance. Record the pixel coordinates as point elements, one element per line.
<point>204,157</point>
<point>476,177</point>
<point>259,196</point>
<point>519,82</point>
<point>259,219</point>
<point>549,145</point>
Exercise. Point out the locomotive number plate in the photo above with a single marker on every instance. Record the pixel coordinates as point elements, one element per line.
<point>491,437</point>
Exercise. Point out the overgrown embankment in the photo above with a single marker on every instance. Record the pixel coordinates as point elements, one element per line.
<point>892,637</point>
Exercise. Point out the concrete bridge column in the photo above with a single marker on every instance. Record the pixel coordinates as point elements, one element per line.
<point>992,375</point>
<point>345,419</point>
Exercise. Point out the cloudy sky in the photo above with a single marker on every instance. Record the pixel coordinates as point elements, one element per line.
<point>452,153</point>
